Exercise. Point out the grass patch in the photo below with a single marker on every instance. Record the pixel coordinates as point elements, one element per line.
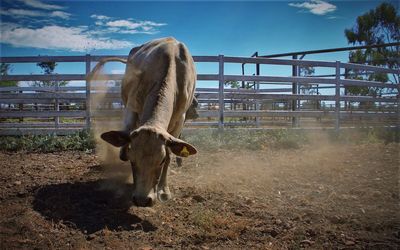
<point>212,225</point>
<point>209,139</point>
<point>82,141</point>
<point>239,139</point>
<point>367,135</point>
<point>247,139</point>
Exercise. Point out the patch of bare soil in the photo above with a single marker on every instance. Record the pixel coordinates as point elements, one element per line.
<point>326,196</point>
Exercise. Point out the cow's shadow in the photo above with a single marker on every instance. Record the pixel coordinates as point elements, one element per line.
<point>89,207</point>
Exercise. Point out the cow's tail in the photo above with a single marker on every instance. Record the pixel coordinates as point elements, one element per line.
<point>93,75</point>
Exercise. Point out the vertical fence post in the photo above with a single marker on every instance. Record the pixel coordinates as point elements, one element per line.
<point>57,106</point>
<point>257,90</point>
<point>221,92</point>
<point>258,105</point>
<point>294,91</point>
<point>337,98</point>
<point>88,108</point>
<point>397,128</point>
<point>20,107</point>
<point>346,103</point>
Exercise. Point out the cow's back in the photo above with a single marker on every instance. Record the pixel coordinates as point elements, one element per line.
<point>149,65</point>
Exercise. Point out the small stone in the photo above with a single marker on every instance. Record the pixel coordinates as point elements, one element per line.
<point>91,237</point>
<point>238,213</point>
<point>198,198</point>
<point>307,242</point>
<point>336,219</point>
<point>151,210</point>
<point>250,201</point>
<point>349,243</point>
<point>17,183</point>
<point>272,232</point>
<point>311,232</point>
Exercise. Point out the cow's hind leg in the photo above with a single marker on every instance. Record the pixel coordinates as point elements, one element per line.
<point>130,124</point>
<point>163,193</point>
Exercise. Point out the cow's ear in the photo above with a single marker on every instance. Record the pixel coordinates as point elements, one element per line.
<point>180,148</point>
<point>116,138</point>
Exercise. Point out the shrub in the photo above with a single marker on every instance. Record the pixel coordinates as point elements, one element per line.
<point>82,141</point>
<point>246,139</point>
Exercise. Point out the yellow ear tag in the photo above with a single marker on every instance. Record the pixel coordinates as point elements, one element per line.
<point>184,152</point>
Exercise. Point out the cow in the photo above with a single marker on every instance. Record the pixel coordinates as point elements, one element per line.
<point>157,90</point>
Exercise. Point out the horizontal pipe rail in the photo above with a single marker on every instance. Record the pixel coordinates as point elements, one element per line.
<point>20,99</point>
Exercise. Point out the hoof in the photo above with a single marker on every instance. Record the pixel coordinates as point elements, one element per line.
<point>164,194</point>
<point>179,161</point>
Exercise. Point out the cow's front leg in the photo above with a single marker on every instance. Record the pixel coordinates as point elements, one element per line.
<point>179,159</point>
<point>130,120</point>
<point>163,192</point>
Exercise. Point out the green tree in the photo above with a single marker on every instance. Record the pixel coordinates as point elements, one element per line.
<point>4,70</point>
<point>48,69</point>
<point>377,26</point>
<point>309,89</point>
<point>233,84</point>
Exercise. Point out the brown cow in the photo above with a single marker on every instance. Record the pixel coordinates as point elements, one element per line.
<point>157,90</point>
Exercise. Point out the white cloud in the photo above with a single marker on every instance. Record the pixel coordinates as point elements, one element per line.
<point>100,17</point>
<point>60,14</point>
<point>150,23</point>
<point>22,12</point>
<point>123,23</point>
<point>317,7</point>
<point>34,13</point>
<point>132,27</point>
<point>58,37</point>
<point>108,24</point>
<point>40,5</point>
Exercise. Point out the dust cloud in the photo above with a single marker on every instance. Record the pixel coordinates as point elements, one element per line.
<point>270,172</point>
<point>253,173</point>
<point>107,116</point>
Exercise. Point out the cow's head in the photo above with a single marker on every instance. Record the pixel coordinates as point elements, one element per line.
<point>147,148</point>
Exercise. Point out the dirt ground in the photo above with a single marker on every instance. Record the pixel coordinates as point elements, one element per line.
<point>323,196</point>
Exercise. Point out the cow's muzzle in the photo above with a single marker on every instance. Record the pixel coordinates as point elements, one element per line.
<point>144,201</point>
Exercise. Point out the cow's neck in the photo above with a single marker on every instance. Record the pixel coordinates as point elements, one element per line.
<point>159,106</point>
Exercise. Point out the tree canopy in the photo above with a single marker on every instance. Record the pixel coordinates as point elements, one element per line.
<point>4,70</point>
<point>378,26</point>
<point>48,69</point>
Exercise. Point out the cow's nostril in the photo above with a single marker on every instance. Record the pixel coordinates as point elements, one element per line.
<point>143,202</point>
<point>149,202</point>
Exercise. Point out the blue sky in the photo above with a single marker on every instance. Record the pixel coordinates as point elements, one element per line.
<point>234,28</point>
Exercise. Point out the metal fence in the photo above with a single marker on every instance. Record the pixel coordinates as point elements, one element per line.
<point>65,109</point>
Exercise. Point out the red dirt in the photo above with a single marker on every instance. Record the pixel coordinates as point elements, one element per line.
<point>330,196</point>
